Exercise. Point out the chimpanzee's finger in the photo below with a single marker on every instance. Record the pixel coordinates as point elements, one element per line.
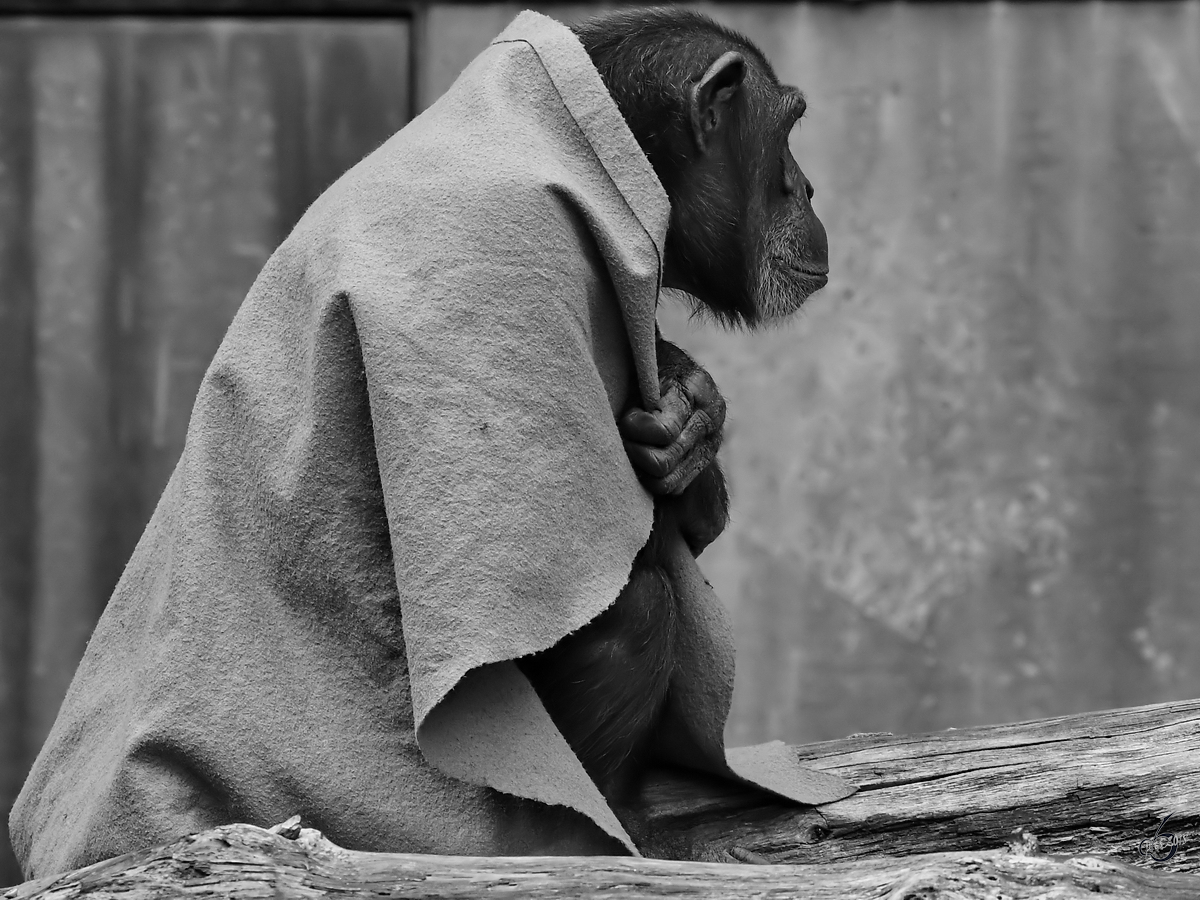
<point>701,431</point>
<point>643,427</point>
<point>680,476</point>
<point>702,391</point>
<point>700,387</point>
<point>658,428</point>
<point>654,462</point>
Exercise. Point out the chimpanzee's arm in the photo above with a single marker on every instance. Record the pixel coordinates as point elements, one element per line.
<point>674,449</point>
<point>605,684</point>
<point>672,445</point>
<point>701,512</point>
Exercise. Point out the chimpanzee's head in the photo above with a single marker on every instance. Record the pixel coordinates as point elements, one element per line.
<point>708,111</point>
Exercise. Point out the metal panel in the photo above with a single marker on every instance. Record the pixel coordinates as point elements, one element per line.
<point>147,170</point>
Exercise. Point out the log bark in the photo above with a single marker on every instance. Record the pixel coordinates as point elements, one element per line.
<point>246,862</point>
<point>1092,784</point>
<point>965,814</point>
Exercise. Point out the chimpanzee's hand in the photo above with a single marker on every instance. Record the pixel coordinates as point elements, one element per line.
<point>671,446</point>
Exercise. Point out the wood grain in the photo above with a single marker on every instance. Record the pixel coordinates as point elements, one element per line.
<point>1098,783</point>
<point>963,814</point>
<point>243,861</point>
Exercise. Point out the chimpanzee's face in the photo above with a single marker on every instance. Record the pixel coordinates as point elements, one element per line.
<point>793,261</point>
<point>744,238</point>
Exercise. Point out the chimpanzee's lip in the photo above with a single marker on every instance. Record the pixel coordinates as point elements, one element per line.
<point>820,275</point>
<point>817,275</point>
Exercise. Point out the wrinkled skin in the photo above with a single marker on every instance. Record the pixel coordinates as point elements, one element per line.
<point>670,446</point>
<point>605,685</point>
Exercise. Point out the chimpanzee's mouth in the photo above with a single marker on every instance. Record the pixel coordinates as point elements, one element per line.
<point>820,276</point>
<point>815,272</point>
<point>811,278</point>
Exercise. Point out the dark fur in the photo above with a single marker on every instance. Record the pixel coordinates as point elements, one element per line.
<point>746,244</point>
<point>724,225</point>
<point>605,685</point>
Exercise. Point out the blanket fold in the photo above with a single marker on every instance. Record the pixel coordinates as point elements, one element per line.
<point>401,473</point>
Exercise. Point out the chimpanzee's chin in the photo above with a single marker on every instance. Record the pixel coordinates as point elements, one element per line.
<point>781,293</point>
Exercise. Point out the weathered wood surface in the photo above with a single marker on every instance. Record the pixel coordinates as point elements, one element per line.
<point>961,814</point>
<point>243,861</point>
<point>1097,783</point>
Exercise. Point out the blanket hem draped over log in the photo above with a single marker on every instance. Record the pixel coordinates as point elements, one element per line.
<point>402,472</point>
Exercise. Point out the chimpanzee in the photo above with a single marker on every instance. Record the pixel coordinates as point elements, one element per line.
<point>712,118</point>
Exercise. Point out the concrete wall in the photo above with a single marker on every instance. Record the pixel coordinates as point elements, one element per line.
<point>967,480</point>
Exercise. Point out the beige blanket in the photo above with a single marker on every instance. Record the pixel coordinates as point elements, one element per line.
<point>402,472</point>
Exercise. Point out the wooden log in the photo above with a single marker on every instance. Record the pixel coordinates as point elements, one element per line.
<point>245,862</point>
<point>964,814</point>
<point>1097,783</point>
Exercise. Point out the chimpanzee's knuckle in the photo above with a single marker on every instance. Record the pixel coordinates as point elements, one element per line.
<point>644,429</point>
<point>673,484</point>
<point>702,384</point>
<point>717,410</point>
<point>633,419</point>
<point>673,430</point>
<point>659,463</point>
<point>714,406</point>
<point>687,470</point>
<point>675,406</point>
<point>709,426</point>
<point>638,454</point>
<point>661,487</point>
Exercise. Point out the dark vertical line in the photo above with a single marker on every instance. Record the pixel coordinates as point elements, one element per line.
<point>18,459</point>
<point>289,103</point>
<point>110,494</point>
<point>69,253</point>
<point>418,31</point>
<point>125,140</point>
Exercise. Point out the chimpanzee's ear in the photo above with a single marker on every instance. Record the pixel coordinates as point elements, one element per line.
<point>712,96</point>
